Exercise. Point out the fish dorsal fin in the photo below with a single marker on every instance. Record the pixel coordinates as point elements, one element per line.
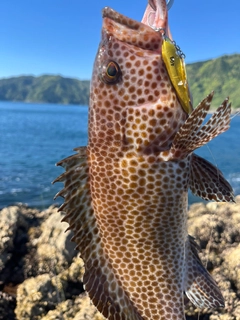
<point>192,136</point>
<point>99,280</point>
<point>207,181</point>
<point>200,287</point>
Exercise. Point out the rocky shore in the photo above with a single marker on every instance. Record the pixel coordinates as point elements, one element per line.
<point>41,273</point>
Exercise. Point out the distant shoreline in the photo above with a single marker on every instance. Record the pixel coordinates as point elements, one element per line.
<point>220,75</point>
<point>211,111</point>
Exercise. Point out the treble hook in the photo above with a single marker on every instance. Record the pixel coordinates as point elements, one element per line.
<point>152,4</point>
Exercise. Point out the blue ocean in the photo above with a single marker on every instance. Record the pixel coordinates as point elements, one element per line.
<point>33,137</point>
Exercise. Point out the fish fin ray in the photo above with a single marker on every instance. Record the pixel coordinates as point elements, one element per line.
<point>99,279</point>
<point>200,287</point>
<point>192,136</point>
<point>208,182</point>
<point>76,158</point>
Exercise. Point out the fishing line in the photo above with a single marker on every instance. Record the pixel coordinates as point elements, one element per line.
<point>208,247</point>
<point>214,160</point>
<point>199,315</point>
<point>236,114</point>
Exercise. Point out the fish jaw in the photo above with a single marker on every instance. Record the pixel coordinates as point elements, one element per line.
<point>130,31</point>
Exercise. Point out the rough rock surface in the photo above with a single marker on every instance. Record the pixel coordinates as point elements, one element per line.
<point>216,228</point>
<point>41,273</point>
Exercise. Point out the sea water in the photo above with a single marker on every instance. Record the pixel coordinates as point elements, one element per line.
<point>33,137</point>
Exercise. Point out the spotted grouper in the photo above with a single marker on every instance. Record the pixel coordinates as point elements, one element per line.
<point>126,193</point>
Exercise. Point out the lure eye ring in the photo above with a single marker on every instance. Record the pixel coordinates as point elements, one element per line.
<point>110,72</point>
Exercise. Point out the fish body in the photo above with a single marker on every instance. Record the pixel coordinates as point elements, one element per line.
<point>126,193</point>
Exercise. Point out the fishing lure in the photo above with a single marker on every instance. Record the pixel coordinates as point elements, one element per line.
<point>173,59</point>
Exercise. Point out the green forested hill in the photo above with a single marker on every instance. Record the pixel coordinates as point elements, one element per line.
<point>51,89</point>
<point>221,75</point>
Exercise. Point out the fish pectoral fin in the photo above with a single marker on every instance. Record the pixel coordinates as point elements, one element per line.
<point>207,181</point>
<point>200,287</point>
<point>193,135</point>
<point>99,279</point>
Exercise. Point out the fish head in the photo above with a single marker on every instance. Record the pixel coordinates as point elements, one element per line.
<point>133,103</point>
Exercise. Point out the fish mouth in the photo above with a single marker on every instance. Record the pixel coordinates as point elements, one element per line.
<point>156,14</point>
<point>110,13</point>
<point>139,34</point>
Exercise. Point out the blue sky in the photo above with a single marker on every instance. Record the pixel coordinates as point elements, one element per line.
<point>62,36</point>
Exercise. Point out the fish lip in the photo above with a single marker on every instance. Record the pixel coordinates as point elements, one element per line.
<point>130,31</point>
<point>110,13</point>
<point>155,8</point>
<point>152,22</point>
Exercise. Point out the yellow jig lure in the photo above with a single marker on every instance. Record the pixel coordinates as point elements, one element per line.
<point>175,65</point>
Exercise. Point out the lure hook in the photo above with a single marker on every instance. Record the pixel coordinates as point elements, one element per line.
<point>152,4</point>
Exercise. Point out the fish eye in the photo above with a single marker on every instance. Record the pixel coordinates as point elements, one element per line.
<point>110,72</point>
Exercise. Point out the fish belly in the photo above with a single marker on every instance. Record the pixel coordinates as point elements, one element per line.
<point>140,204</point>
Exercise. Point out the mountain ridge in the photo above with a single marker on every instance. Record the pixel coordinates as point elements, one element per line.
<point>221,75</point>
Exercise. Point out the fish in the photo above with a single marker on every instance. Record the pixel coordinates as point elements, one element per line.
<point>126,192</point>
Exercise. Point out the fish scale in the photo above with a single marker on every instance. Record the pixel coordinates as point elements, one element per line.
<point>126,193</point>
